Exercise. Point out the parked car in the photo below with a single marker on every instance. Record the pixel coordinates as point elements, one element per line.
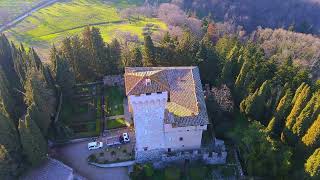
<point>95,145</point>
<point>124,138</point>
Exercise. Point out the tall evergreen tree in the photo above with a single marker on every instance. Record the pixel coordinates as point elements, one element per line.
<point>33,143</point>
<point>312,138</point>
<point>13,84</point>
<point>137,57</point>
<point>254,105</point>
<point>299,104</point>
<point>10,149</point>
<point>65,77</point>
<point>38,93</point>
<point>312,166</point>
<point>307,116</point>
<point>149,54</point>
<point>115,57</point>
<point>277,122</point>
<point>7,102</point>
<point>35,59</point>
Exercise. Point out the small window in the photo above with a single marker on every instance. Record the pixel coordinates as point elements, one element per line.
<point>148,94</point>
<point>145,148</point>
<point>159,92</point>
<point>148,82</point>
<point>181,138</point>
<point>188,130</point>
<point>169,150</point>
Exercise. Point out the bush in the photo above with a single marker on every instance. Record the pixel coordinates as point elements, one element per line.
<point>124,151</point>
<point>172,173</point>
<point>101,154</point>
<point>113,153</point>
<point>92,158</point>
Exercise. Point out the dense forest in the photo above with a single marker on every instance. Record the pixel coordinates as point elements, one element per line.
<point>298,15</point>
<point>274,84</point>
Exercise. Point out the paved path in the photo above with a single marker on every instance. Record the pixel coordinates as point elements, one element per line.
<point>75,155</point>
<point>26,14</point>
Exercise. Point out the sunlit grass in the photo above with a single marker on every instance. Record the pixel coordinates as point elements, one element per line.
<point>10,9</point>
<point>51,24</point>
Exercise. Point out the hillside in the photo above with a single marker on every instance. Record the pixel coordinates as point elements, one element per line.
<point>51,24</point>
<point>300,15</point>
<point>10,9</point>
<point>280,44</point>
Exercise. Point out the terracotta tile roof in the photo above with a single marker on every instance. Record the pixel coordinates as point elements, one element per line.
<point>187,105</point>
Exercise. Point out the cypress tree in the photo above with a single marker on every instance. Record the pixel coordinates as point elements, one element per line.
<point>35,59</point>
<point>312,166</point>
<point>80,64</point>
<point>277,122</point>
<point>20,64</point>
<point>149,58</point>
<point>13,82</point>
<point>312,138</point>
<point>33,143</point>
<point>6,61</point>
<point>202,53</point>
<point>254,105</point>
<point>7,104</point>
<point>38,93</point>
<point>307,116</point>
<point>10,149</point>
<point>115,57</point>
<point>230,69</point>
<point>300,102</point>
<point>65,77</point>
<point>302,98</point>
<point>137,57</point>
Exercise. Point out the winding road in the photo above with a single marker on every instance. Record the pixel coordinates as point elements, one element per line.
<point>25,15</point>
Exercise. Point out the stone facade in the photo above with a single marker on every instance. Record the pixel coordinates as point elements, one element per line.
<point>148,113</point>
<point>183,137</point>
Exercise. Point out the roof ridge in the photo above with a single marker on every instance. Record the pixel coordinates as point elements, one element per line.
<point>136,84</point>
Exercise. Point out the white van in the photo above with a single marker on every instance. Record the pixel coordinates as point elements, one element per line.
<point>95,145</point>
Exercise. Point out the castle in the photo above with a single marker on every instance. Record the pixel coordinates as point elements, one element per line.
<point>168,109</point>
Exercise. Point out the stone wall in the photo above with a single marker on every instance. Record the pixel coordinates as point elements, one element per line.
<point>161,158</point>
<point>149,156</point>
<point>114,80</point>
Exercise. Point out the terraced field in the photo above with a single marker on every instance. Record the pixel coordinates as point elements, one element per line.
<point>10,9</point>
<point>66,18</point>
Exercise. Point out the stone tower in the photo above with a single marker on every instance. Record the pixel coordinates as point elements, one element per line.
<point>148,116</point>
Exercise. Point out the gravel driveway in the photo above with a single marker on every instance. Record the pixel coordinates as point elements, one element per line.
<point>75,155</point>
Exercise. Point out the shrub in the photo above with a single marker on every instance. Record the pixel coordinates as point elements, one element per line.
<point>92,158</point>
<point>172,173</point>
<point>124,151</point>
<point>101,154</point>
<point>113,153</point>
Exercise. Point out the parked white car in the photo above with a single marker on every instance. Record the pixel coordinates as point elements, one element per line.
<point>126,138</point>
<point>95,145</point>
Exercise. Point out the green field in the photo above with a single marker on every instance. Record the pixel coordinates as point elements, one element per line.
<point>51,24</point>
<point>114,97</point>
<point>10,9</point>
<point>117,123</point>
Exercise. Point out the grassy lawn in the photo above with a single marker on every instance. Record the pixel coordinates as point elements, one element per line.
<point>114,101</point>
<point>117,123</point>
<point>66,18</point>
<point>10,9</point>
